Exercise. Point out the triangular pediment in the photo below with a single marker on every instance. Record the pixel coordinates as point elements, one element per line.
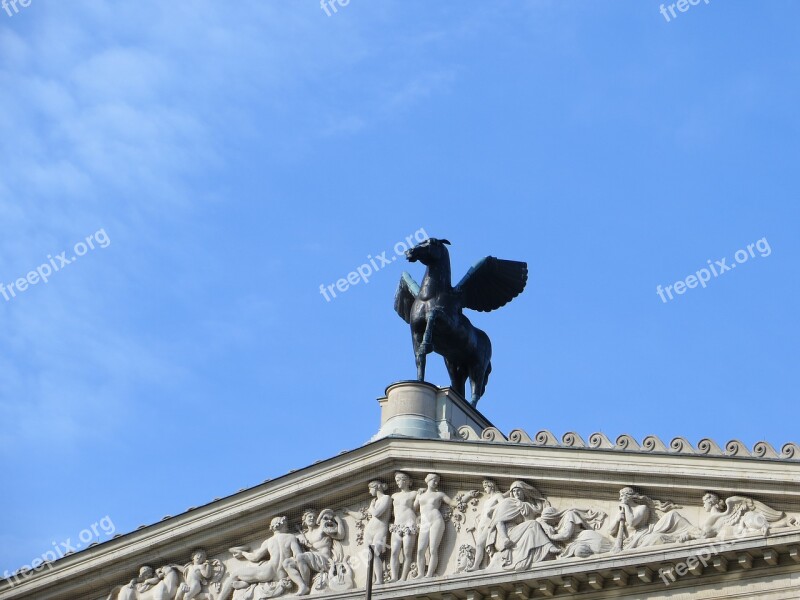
<point>557,518</point>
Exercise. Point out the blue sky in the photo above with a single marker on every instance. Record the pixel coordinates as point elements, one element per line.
<point>238,155</point>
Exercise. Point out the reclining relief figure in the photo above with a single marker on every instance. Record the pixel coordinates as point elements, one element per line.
<point>163,583</point>
<point>737,516</point>
<point>577,529</point>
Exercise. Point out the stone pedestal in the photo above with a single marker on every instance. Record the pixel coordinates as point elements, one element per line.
<point>422,410</point>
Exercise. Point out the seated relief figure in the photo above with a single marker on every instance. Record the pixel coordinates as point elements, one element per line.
<point>265,565</point>
<point>198,575</point>
<point>431,522</point>
<point>637,524</point>
<point>515,537</point>
<point>576,528</point>
<point>322,552</point>
<point>404,528</point>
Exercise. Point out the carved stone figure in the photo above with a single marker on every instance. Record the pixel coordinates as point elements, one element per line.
<point>518,539</point>
<point>637,524</point>
<point>431,522</point>
<point>161,584</point>
<point>577,529</point>
<point>376,531</point>
<point>404,528</point>
<point>199,574</point>
<point>320,539</point>
<point>435,311</point>
<point>480,531</point>
<point>737,516</point>
<point>266,563</point>
<point>465,559</point>
<point>338,577</point>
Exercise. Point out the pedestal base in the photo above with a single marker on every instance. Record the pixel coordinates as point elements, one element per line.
<point>422,410</point>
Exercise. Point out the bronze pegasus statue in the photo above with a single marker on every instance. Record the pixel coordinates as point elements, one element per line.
<point>434,311</point>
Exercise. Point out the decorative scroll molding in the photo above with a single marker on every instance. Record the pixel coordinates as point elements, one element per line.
<point>681,446</point>
<point>764,450</point>
<point>492,434</point>
<point>545,438</point>
<point>652,444</point>
<point>736,448</point>
<point>627,443</point>
<point>599,440</point>
<point>465,432</point>
<point>518,436</point>
<point>790,450</point>
<point>573,440</point>
<point>708,446</point>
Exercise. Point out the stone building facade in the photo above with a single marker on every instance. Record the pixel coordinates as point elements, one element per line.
<point>455,509</point>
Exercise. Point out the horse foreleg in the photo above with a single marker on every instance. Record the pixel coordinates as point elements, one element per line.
<point>424,346</point>
<point>427,346</point>
<point>419,356</point>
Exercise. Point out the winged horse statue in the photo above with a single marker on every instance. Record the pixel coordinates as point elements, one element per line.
<point>434,311</point>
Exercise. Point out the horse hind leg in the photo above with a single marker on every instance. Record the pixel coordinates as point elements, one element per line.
<point>458,378</point>
<point>477,383</point>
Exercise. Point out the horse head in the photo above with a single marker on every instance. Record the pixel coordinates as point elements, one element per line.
<point>429,252</point>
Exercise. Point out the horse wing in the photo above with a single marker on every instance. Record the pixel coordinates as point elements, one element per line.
<point>404,298</point>
<point>492,283</point>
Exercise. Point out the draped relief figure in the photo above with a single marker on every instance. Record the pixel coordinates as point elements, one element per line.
<point>431,522</point>
<point>515,537</point>
<point>404,528</point>
<point>637,523</point>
